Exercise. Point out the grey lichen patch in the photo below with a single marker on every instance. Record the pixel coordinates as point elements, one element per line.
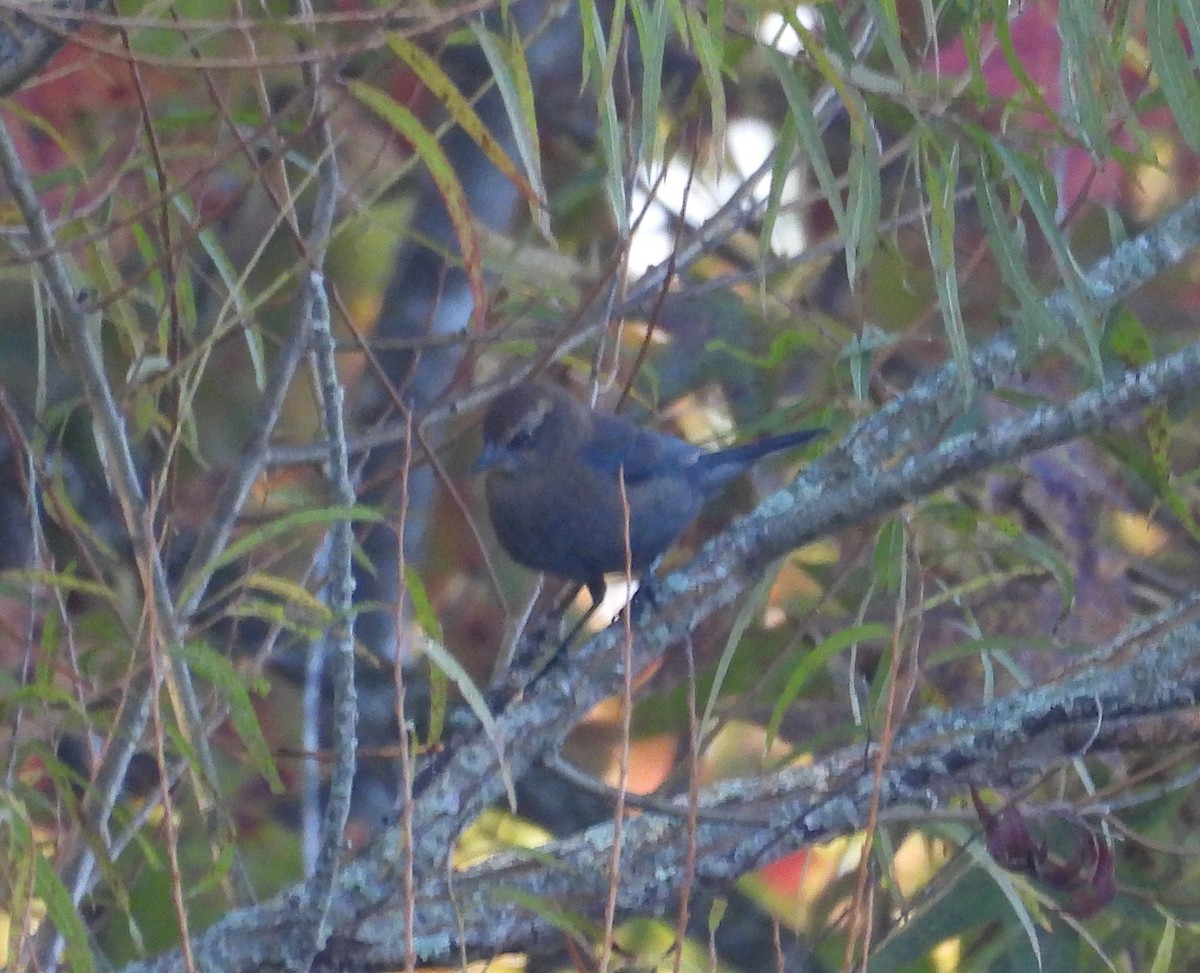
<point>355,880</point>
<point>599,838</point>
<point>777,504</point>
<point>432,948</point>
<point>676,583</point>
<point>835,813</point>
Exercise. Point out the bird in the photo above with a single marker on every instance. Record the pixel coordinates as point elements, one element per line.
<point>579,494</point>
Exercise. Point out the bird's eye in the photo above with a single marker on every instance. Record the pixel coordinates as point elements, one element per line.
<point>521,439</point>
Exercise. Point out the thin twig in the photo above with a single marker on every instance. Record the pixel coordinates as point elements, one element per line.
<point>314,929</point>
<point>80,328</point>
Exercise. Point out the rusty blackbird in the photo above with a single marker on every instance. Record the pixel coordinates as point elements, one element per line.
<point>554,484</point>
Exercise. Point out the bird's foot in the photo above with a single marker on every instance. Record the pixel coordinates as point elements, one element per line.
<point>535,643</point>
<point>645,598</point>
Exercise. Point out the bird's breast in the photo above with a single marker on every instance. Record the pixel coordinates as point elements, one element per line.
<point>574,522</point>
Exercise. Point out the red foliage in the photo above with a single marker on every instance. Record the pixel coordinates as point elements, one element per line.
<point>1037,45</point>
<point>1088,876</point>
<point>75,86</point>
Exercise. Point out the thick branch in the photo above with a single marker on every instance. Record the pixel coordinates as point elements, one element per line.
<point>471,778</point>
<point>31,33</point>
<point>745,823</point>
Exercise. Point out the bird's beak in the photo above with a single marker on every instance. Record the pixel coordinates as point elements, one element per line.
<point>493,455</point>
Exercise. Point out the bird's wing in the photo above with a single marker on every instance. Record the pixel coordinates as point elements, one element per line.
<point>616,444</point>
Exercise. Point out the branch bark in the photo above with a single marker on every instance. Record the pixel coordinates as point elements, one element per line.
<point>1001,744</point>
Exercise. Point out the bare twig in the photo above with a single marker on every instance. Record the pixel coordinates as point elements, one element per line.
<point>311,936</point>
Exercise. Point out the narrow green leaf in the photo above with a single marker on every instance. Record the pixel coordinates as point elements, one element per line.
<point>889,554</point>
<point>27,578</point>
<point>1086,72</point>
<point>438,655</point>
<point>929,22</point>
<point>800,103</point>
<point>439,705</point>
<point>58,501</point>
<point>678,21</point>
<point>41,692</point>
<point>593,47</point>
<point>750,610</point>
<point>959,517</point>
<point>1126,340</point>
<point>439,684</point>
<point>716,913</point>
<point>870,81</point>
<point>612,43</point>
<point>815,661</point>
<point>234,287</point>
<point>976,78</point>
<point>651,21</point>
<point>443,88</point>
<point>977,583</point>
<point>275,613</point>
<point>1033,188</point>
<point>422,605</point>
<point>1004,882</point>
<point>430,152</point>
<point>863,200</point>
<point>859,353</point>
<point>219,672</point>
<point>62,914</point>
<point>782,346</point>
<point>185,300</point>
<point>151,255</point>
<point>995,645</point>
<point>610,138</point>
<point>212,881</point>
<point>781,171</point>
<point>509,68</point>
<point>1159,470</point>
<point>887,17</point>
<point>715,16</point>
<point>49,888</point>
<point>830,56</point>
<point>320,517</point>
<point>1165,949</point>
<point>835,41</point>
<point>961,901</point>
<point>941,183</point>
<point>1050,558</point>
<point>1035,324</point>
<point>1189,11</point>
<point>294,594</point>
<point>1172,67</point>
<point>710,57</point>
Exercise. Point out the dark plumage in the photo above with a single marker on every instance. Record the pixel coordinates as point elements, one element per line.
<point>554,483</point>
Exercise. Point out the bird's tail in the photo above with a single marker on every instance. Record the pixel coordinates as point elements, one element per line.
<point>719,467</point>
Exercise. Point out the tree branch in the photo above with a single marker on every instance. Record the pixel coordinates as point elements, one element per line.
<point>1000,739</point>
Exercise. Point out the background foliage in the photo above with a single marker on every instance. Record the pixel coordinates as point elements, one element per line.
<point>270,695</point>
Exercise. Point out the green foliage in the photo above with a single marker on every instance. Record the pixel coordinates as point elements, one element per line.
<point>934,207</point>
<point>217,670</point>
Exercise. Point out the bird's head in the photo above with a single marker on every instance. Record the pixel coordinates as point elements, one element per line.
<point>528,425</point>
